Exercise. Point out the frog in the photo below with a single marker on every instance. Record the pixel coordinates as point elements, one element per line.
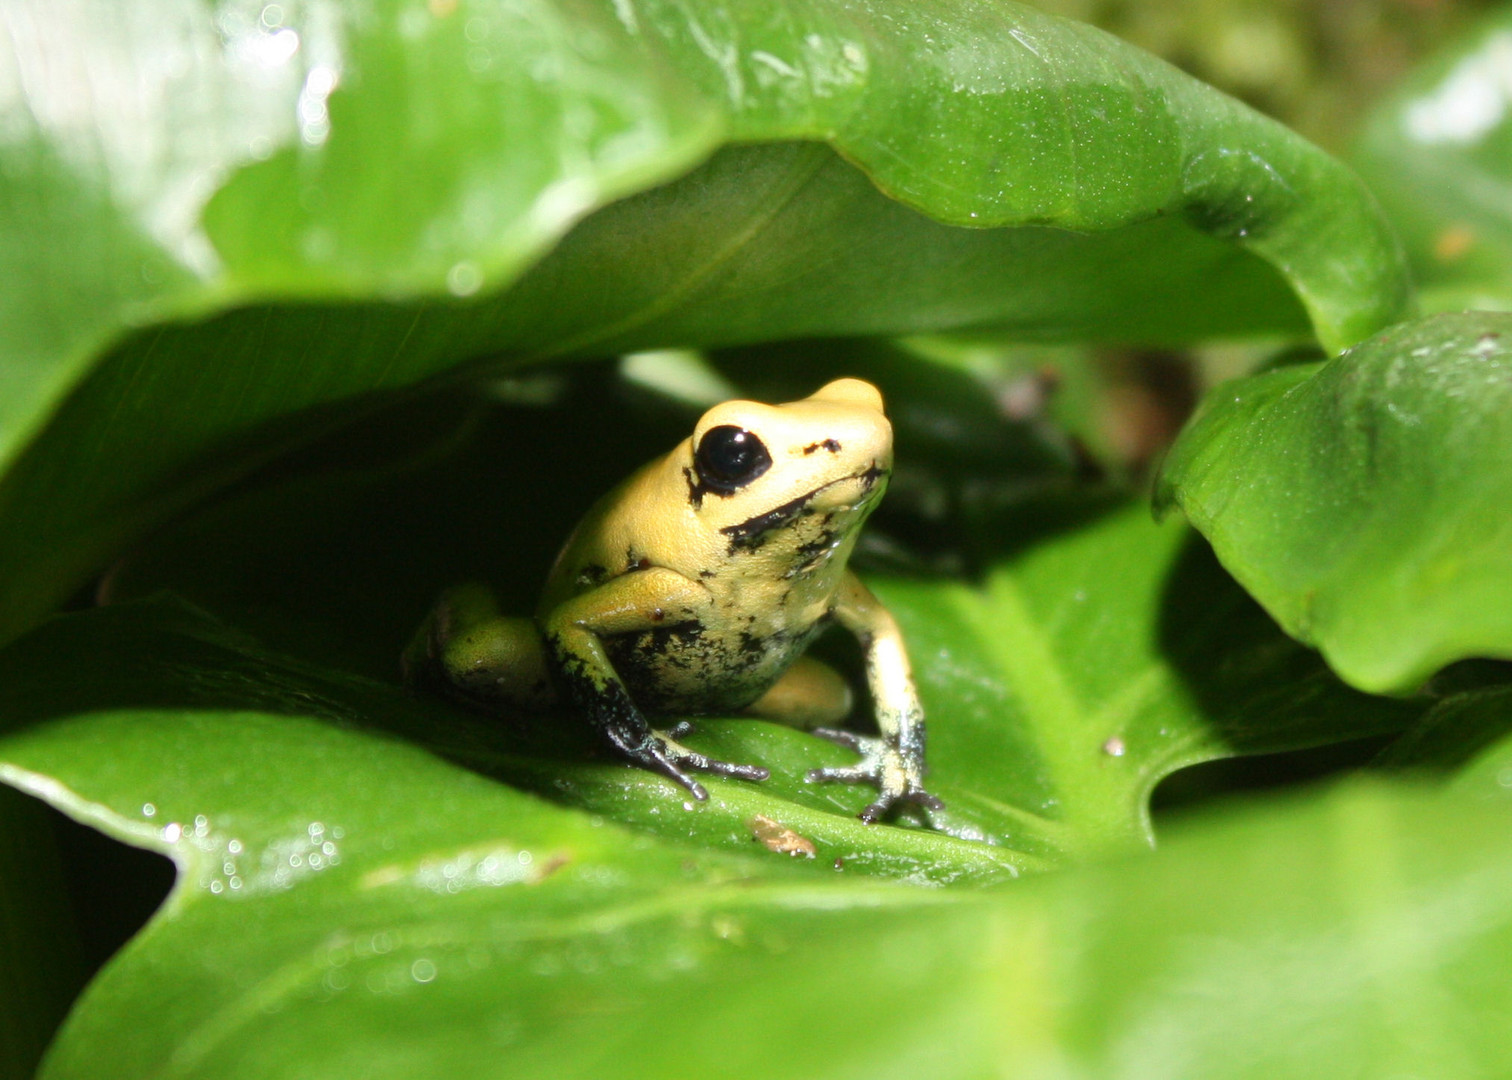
<point>694,587</point>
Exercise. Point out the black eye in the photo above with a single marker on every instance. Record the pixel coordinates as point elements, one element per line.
<point>730,457</point>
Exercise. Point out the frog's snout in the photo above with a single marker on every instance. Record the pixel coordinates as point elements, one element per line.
<point>850,392</point>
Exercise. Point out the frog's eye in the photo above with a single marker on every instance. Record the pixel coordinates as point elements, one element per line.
<point>730,457</point>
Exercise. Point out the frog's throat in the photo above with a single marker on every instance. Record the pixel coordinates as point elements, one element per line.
<point>744,533</point>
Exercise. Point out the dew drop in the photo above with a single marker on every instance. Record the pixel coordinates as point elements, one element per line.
<point>463,279</point>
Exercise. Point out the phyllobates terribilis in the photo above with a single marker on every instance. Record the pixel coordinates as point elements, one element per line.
<point>693,588</point>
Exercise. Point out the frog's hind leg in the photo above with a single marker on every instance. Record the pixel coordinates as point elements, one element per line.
<point>810,694</point>
<point>466,649</point>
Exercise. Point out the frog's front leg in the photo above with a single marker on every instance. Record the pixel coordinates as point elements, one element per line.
<point>895,760</point>
<point>574,632</point>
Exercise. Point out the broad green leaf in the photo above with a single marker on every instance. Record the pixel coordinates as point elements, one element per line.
<point>1460,729</point>
<point>1364,501</point>
<point>169,731</point>
<point>374,912</point>
<point>1489,774</point>
<point>1438,154</point>
<point>225,155</point>
<point>1097,657</point>
<point>160,655</point>
<point>1465,740</point>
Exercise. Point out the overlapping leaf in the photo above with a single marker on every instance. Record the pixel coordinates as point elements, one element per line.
<point>177,159</point>
<point>1363,501</point>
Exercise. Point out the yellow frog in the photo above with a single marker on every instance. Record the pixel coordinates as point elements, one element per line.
<point>693,588</point>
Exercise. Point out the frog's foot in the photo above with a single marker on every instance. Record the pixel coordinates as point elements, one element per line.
<point>899,778</point>
<point>661,753</point>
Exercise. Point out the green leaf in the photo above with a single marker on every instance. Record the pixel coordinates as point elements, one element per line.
<point>160,655</point>
<point>1095,659</point>
<point>350,906</point>
<point>1438,154</point>
<point>228,156</point>
<point>1461,728</point>
<point>1464,741</point>
<point>1364,501</point>
<point>1489,774</point>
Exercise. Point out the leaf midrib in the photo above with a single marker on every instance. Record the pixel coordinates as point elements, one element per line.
<point>1093,801</point>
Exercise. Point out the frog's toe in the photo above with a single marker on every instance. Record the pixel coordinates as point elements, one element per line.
<point>683,758</point>
<point>848,739</point>
<point>654,756</point>
<point>879,809</point>
<point>897,779</point>
<point>723,768</point>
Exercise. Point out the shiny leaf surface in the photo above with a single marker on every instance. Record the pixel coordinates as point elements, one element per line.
<point>1364,501</point>
<point>376,912</point>
<point>227,155</point>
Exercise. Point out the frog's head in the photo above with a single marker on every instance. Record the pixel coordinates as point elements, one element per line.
<point>752,468</point>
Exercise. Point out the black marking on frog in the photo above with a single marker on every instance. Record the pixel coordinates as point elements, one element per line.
<point>817,546</point>
<point>679,645</point>
<point>681,670</point>
<point>756,644</point>
<point>828,444</point>
<point>697,489</point>
<point>751,533</point>
<point>809,556</point>
<point>590,575</point>
<point>754,651</point>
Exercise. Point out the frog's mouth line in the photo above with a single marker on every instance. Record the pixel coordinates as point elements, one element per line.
<point>745,533</point>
